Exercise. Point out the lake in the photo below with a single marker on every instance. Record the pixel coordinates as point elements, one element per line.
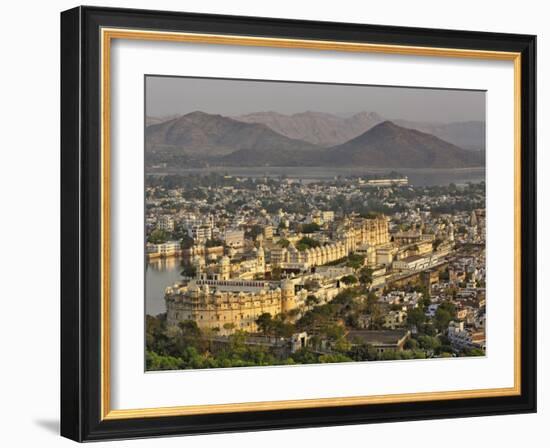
<point>417,177</point>
<point>158,275</point>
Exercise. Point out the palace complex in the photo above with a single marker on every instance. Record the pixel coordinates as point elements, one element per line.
<point>229,305</point>
<point>230,293</point>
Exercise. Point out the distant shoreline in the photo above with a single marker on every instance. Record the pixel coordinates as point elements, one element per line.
<point>417,176</point>
<point>306,169</point>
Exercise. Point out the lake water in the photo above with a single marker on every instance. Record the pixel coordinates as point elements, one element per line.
<point>158,275</point>
<point>417,177</point>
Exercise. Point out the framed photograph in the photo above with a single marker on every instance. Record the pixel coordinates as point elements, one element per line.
<point>277,224</point>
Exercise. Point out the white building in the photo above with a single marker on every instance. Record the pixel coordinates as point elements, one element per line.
<point>234,238</point>
<point>461,338</point>
<point>414,263</point>
<point>201,233</point>
<point>166,222</point>
<point>394,319</point>
<point>327,216</point>
<point>163,250</point>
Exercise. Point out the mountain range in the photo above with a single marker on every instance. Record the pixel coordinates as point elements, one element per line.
<point>465,134</point>
<point>327,130</point>
<point>149,120</point>
<point>316,127</point>
<point>391,146</point>
<point>206,135</point>
<point>306,139</point>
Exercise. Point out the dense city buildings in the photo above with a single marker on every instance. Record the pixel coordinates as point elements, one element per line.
<point>277,270</point>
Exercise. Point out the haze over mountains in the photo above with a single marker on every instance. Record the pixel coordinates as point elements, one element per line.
<point>325,129</point>
<point>157,120</point>
<point>202,134</point>
<point>316,127</point>
<point>310,139</point>
<point>465,134</point>
<point>392,146</point>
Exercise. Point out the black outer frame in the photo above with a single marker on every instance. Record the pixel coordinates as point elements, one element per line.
<point>80,224</point>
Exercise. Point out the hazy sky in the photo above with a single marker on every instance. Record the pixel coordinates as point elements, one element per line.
<point>174,95</point>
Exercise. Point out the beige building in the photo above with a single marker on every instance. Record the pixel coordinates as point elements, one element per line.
<point>316,256</point>
<point>423,247</point>
<point>234,238</point>
<point>357,231</point>
<point>382,255</point>
<point>382,340</point>
<point>292,258</point>
<point>268,233</point>
<point>224,306</point>
<point>401,181</point>
<point>166,222</point>
<point>385,254</point>
<point>414,263</point>
<point>394,319</point>
<point>356,234</point>
<point>201,233</point>
<point>327,216</point>
<point>163,250</point>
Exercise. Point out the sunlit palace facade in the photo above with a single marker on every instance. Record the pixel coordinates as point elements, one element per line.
<point>226,297</point>
<point>224,306</point>
<point>353,233</point>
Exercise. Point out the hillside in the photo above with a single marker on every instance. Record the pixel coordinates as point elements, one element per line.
<point>204,135</point>
<point>392,146</point>
<point>315,127</point>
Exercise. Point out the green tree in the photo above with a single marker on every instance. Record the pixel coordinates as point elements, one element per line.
<point>310,228</point>
<point>312,300</point>
<point>189,270</point>
<point>475,352</point>
<point>419,354</point>
<point>415,317</point>
<point>282,329</point>
<point>429,342</point>
<point>334,357</point>
<point>283,242</point>
<point>333,331</point>
<point>349,279</point>
<point>355,261</point>
<point>305,356</point>
<point>372,302</point>
<point>450,307</point>
<point>362,352</point>
<point>189,328</point>
<point>154,361</point>
<point>186,242</point>
<point>426,301</point>
<point>158,236</point>
<point>365,276</point>
<point>265,323</point>
<point>442,318</point>
<point>377,317</point>
<point>252,232</point>
<point>276,274</point>
<point>389,355</point>
<point>306,243</point>
<point>213,243</point>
